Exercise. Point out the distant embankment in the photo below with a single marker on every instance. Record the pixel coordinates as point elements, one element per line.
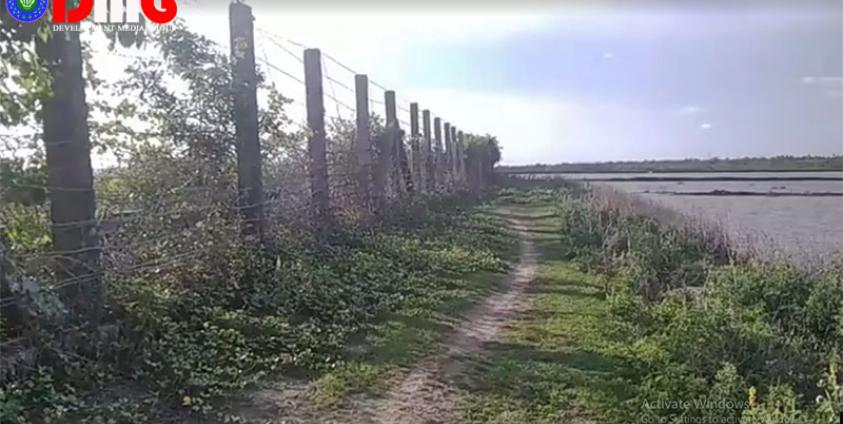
<point>712,178</point>
<point>748,193</point>
<point>774,164</point>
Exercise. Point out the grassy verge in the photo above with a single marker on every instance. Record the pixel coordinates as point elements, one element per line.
<point>401,338</point>
<point>188,338</point>
<point>555,364</point>
<point>639,320</point>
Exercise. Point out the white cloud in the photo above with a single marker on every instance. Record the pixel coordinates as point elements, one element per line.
<point>828,86</point>
<point>825,81</point>
<point>357,36</point>
<point>688,110</point>
<point>535,130</point>
<point>384,45</point>
<point>373,43</point>
<point>527,128</point>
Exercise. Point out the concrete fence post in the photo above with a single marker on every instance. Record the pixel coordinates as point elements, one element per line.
<point>70,176</point>
<point>245,86</point>
<point>362,142</point>
<point>415,148</point>
<point>429,177</point>
<point>448,157</point>
<point>391,135</point>
<point>461,158</point>
<point>316,144</point>
<point>438,156</point>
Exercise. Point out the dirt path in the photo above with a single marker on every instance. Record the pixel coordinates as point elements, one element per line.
<point>426,394</point>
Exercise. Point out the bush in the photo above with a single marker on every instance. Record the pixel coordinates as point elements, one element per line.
<point>696,328</point>
<point>191,334</point>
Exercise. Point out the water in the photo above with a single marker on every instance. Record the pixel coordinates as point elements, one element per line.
<point>801,228</point>
<point>620,175</point>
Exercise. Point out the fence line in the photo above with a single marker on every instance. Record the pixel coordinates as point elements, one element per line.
<point>356,166</point>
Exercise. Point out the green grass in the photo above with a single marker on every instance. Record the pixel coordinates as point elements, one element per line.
<point>760,339</point>
<point>402,338</point>
<point>555,364</point>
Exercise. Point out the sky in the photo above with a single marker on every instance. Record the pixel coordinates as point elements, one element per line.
<point>595,81</point>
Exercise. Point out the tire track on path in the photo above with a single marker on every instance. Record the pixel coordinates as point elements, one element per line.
<point>427,393</point>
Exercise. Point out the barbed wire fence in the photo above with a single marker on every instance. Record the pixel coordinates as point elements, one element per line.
<point>353,150</point>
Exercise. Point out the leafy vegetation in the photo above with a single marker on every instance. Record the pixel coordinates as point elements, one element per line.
<point>667,326</point>
<point>556,363</point>
<point>187,338</point>
<point>403,337</point>
<point>638,316</point>
<point>189,313</point>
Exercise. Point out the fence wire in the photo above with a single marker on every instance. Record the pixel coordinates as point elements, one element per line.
<point>166,184</point>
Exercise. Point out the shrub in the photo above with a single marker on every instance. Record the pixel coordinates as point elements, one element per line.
<point>195,332</point>
<point>698,324</point>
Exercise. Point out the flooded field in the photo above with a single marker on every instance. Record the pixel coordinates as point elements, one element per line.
<point>796,214</point>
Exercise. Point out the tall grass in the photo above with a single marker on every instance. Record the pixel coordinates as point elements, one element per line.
<point>652,247</point>
<point>708,332</point>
